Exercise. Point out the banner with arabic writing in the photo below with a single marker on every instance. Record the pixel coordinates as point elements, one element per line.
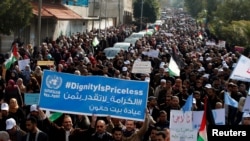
<point>102,96</point>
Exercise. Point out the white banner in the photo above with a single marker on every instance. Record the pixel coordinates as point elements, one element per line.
<point>241,71</point>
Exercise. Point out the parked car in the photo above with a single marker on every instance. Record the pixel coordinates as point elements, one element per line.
<point>122,45</point>
<point>111,52</point>
<point>137,35</point>
<point>131,40</point>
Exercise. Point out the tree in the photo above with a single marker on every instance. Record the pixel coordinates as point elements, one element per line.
<point>151,10</point>
<point>14,15</point>
<point>194,7</point>
<point>233,10</point>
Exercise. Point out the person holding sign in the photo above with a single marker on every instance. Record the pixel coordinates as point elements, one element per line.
<point>131,133</point>
<point>67,132</point>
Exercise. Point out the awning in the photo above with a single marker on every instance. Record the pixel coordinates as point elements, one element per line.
<point>55,10</point>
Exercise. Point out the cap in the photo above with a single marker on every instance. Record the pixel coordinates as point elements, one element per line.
<point>124,68</point>
<point>232,84</point>
<point>5,106</point>
<point>208,86</point>
<point>163,80</point>
<point>246,115</point>
<point>33,108</point>
<point>10,123</point>
<point>151,98</point>
<point>127,62</point>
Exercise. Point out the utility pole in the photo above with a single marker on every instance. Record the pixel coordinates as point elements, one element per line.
<point>106,18</point>
<point>119,11</point>
<point>93,14</point>
<point>100,20</point>
<point>39,23</point>
<point>142,1</point>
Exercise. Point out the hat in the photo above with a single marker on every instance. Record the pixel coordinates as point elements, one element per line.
<point>208,86</point>
<point>127,62</point>
<point>10,123</point>
<point>33,108</point>
<point>151,98</point>
<point>246,115</point>
<point>5,106</point>
<point>163,80</point>
<point>124,68</point>
<point>232,84</point>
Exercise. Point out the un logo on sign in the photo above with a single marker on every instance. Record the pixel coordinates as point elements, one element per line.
<point>53,81</point>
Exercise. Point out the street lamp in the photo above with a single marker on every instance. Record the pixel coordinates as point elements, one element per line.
<point>39,22</point>
<point>142,1</point>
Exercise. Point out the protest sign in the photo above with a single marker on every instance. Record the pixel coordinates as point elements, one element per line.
<point>197,117</point>
<point>241,71</point>
<point>23,63</point>
<point>180,119</point>
<point>246,107</point>
<point>69,93</point>
<point>45,63</point>
<point>151,53</point>
<point>181,126</point>
<point>219,116</point>
<point>239,49</point>
<point>31,98</point>
<point>183,134</point>
<point>141,67</point>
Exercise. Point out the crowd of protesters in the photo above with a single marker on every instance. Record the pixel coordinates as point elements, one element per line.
<point>205,72</point>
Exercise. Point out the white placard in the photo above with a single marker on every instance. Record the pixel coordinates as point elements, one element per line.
<point>241,71</point>
<point>141,67</point>
<point>219,116</point>
<point>246,107</point>
<point>180,119</point>
<point>197,117</point>
<point>151,53</point>
<point>183,134</point>
<point>23,63</point>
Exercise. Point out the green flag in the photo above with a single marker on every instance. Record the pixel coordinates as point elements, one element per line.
<point>55,116</point>
<point>95,42</point>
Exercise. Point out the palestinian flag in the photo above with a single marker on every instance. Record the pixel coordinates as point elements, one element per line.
<point>202,135</point>
<point>13,57</point>
<point>173,68</point>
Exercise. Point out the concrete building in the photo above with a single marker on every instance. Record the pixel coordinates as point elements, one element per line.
<point>66,17</point>
<point>111,12</point>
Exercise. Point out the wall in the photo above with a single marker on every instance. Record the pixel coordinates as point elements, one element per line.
<point>68,28</point>
<point>82,11</point>
<point>5,43</point>
<point>97,25</point>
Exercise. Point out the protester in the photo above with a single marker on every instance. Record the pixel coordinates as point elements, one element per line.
<point>4,136</point>
<point>33,132</point>
<point>204,72</point>
<point>15,132</point>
